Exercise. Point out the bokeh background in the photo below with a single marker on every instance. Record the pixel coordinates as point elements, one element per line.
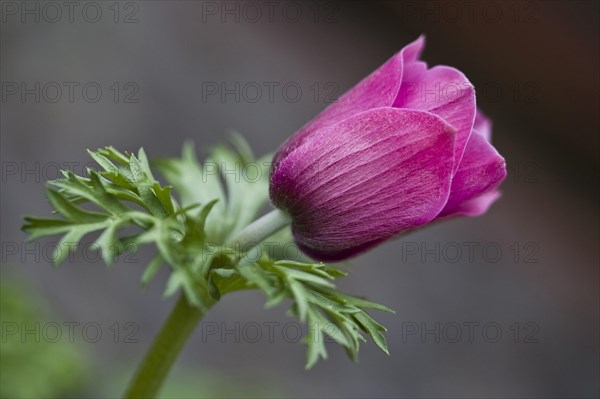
<point>533,269</point>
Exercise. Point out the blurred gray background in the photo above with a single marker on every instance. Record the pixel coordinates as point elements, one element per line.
<point>534,264</point>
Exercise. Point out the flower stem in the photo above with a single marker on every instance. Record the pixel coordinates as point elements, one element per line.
<point>184,317</point>
<point>257,231</point>
<point>164,350</point>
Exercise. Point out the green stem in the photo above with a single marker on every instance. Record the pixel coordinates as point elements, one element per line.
<point>263,227</point>
<point>164,350</point>
<point>184,317</point>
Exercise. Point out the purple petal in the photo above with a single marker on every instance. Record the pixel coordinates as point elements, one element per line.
<point>444,91</point>
<point>477,206</point>
<point>412,51</point>
<point>364,180</point>
<point>483,125</point>
<point>474,185</point>
<point>377,90</point>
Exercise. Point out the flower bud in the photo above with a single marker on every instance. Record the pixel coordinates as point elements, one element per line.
<point>404,147</point>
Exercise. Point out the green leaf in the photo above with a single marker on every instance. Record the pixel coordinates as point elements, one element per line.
<point>257,277</point>
<point>299,295</point>
<point>115,155</point>
<point>68,243</point>
<point>315,342</point>
<point>316,301</point>
<point>70,211</point>
<point>164,197</point>
<point>41,227</point>
<point>107,190</point>
<point>276,298</point>
<point>197,184</point>
<point>359,302</point>
<point>108,241</point>
<point>152,269</point>
<point>374,329</point>
<point>309,278</point>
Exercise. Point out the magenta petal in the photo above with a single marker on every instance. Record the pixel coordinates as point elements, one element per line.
<point>444,91</point>
<point>412,51</point>
<point>478,205</point>
<point>377,90</point>
<point>474,185</point>
<point>364,180</point>
<point>483,125</point>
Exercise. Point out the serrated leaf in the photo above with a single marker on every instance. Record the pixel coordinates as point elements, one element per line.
<point>173,284</point>
<point>276,298</point>
<point>308,278</point>
<point>313,268</point>
<point>316,344</point>
<point>197,184</point>
<point>350,330</point>
<point>300,298</point>
<point>359,302</point>
<point>241,146</point>
<point>333,272</point>
<point>41,227</point>
<point>164,196</point>
<point>69,241</point>
<point>330,328</point>
<point>246,181</point>
<point>152,269</point>
<point>115,155</point>
<point>204,212</point>
<point>70,211</point>
<point>319,299</point>
<point>104,162</point>
<point>257,277</point>
<point>144,165</point>
<point>374,329</point>
<point>108,241</point>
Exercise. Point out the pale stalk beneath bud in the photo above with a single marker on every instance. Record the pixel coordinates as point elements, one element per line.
<point>184,317</point>
<point>261,229</point>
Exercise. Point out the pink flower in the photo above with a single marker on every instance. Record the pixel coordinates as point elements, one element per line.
<point>404,147</point>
